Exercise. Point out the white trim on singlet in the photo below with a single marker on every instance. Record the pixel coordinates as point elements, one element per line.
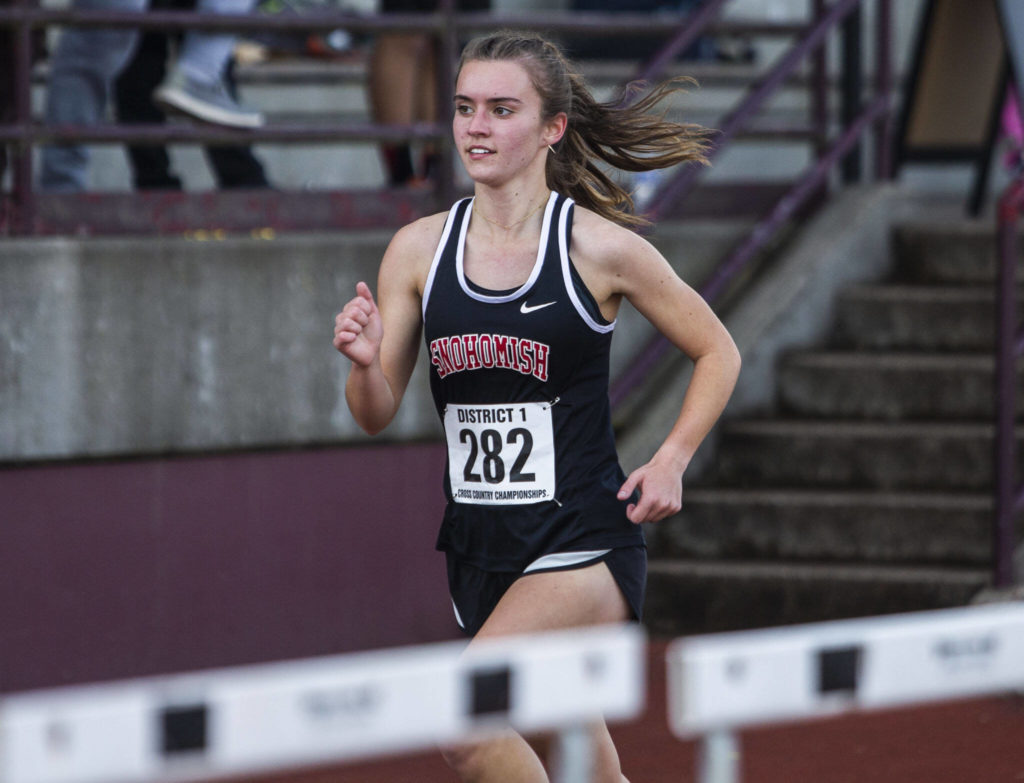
<point>564,559</point>
<point>563,248</point>
<point>534,273</point>
<point>437,257</point>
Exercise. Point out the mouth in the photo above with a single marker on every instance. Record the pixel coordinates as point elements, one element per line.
<point>480,151</point>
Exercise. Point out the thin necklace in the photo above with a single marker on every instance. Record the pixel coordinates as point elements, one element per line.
<point>513,225</point>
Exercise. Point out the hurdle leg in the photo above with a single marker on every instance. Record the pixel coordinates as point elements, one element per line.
<point>574,755</point>
<point>718,759</point>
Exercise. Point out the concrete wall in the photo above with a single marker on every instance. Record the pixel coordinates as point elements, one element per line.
<point>155,346</point>
<point>143,346</point>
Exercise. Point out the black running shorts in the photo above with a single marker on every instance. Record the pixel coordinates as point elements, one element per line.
<point>475,592</point>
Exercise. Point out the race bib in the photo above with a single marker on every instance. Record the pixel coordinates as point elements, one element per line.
<point>501,454</point>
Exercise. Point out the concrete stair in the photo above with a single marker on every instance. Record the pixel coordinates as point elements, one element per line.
<point>901,317</point>
<point>859,454</point>
<point>893,386</point>
<point>767,594</point>
<point>868,489</point>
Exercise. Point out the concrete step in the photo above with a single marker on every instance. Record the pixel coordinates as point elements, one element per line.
<point>858,454</point>
<point>688,597</point>
<point>917,317</point>
<point>888,386</point>
<point>961,252</point>
<point>873,496</point>
<point>827,525</point>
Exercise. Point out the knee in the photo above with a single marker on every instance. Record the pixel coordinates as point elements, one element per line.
<point>607,768</point>
<point>504,757</point>
<point>466,761</point>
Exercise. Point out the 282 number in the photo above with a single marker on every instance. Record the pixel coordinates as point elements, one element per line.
<point>488,451</point>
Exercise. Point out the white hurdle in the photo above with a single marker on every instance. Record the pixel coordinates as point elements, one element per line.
<point>245,720</point>
<point>722,682</point>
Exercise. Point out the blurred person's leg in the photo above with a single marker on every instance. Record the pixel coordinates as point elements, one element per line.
<point>235,165</point>
<point>82,69</point>
<point>6,87</point>
<point>397,93</point>
<point>151,165</point>
<point>205,55</point>
<point>403,85</point>
<point>196,84</point>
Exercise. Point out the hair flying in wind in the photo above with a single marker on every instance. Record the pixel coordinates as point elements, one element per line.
<point>626,134</point>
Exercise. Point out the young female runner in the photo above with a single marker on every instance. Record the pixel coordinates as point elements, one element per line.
<point>515,292</point>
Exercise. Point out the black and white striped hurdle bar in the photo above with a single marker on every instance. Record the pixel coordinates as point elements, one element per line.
<point>229,722</point>
<point>722,682</point>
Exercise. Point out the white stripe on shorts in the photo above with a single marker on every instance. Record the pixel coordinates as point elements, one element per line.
<point>458,617</point>
<point>564,559</point>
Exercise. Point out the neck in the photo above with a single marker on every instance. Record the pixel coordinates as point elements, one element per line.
<point>512,212</point>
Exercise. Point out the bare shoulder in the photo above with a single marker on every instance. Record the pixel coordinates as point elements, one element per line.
<point>610,256</point>
<point>412,248</point>
<point>597,238</point>
<point>419,237</point>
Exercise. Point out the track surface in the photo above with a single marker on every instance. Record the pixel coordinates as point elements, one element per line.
<point>975,741</point>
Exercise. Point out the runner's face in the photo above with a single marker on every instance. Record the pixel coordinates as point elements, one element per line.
<point>497,126</point>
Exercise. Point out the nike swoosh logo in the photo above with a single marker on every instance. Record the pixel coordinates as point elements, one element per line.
<point>525,308</point>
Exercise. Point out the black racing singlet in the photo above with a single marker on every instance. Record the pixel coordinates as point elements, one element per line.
<point>520,381</point>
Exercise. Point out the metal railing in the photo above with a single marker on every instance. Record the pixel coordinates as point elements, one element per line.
<point>446,25</point>
<point>876,115</point>
<point>1009,495</point>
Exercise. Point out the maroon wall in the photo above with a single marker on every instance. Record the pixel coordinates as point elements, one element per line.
<point>125,568</point>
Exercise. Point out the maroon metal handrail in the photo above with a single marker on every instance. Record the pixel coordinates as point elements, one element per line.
<point>877,114</point>
<point>589,22</point>
<point>679,187</point>
<point>1009,496</point>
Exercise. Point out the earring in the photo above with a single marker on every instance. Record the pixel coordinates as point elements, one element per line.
<point>553,151</point>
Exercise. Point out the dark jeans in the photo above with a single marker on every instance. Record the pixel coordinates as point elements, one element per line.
<point>38,52</point>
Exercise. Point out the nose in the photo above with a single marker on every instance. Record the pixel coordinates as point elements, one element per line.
<point>478,124</point>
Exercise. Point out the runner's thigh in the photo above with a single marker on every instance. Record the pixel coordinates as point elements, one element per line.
<point>557,599</point>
